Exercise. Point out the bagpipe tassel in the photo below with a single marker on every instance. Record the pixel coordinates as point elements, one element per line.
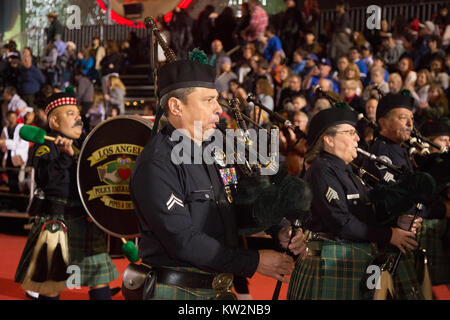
<point>427,288</point>
<point>384,287</point>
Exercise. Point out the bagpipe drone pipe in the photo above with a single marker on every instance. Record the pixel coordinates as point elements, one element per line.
<point>267,192</point>
<point>389,201</point>
<point>392,199</point>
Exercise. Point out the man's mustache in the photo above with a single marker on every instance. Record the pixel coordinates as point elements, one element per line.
<point>79,123</point>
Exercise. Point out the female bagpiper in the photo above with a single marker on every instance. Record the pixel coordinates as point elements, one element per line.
<point>343,226</point>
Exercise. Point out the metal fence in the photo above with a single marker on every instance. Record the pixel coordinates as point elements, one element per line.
<point>35,36</point>
<point>83,37</point>
<point>358,16</point>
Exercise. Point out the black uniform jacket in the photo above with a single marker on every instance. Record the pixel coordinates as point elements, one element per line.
<point>390,152</point>
<point>398,156</point>
<point>340,204</point>
<point>56,171</point>
<point>183,221</point>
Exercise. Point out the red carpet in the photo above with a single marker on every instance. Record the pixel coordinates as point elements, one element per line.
<point>261,287</point>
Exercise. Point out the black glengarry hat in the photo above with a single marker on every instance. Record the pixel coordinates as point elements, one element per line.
<point>433,128</point>
<point>392,101</point>
<point>185,74</point>
<point>328,118</point>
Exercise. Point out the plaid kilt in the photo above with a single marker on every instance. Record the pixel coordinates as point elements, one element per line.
<point>431,239</point>
<point>165,292</point>
<point>406,284</point>
<point>88,250</point>
<point>334,275</point>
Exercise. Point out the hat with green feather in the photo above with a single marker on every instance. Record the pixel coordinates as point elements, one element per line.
<point>194,72</point>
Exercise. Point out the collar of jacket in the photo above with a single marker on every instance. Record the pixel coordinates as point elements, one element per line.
<point>192,149</point>
<point>389,141</point>
<point>335,160</point>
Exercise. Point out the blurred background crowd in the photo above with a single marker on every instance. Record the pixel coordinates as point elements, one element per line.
<point>279,58</point>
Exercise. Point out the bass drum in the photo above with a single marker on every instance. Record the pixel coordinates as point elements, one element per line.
<point>105,164</point>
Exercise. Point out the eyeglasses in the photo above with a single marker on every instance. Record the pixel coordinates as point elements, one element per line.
<point>351,132</point>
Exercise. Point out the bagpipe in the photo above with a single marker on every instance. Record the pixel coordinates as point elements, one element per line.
<point>411,189</point>
<point>418,144</point>
<point>286,196</point>
<point>108,155</point>
<point>255,168</point>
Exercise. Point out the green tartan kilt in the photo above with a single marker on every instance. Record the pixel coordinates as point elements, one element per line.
<point>431,239</point>
<point>165,292</point>
<point>406,284</point>
<point>334,275</point>
<point>88,250</point>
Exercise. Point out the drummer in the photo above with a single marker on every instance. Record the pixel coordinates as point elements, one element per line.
<point>55,165</point>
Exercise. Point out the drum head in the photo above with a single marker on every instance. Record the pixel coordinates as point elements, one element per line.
<point>105,163</point>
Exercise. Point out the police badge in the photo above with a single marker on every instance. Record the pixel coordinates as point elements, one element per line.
<point>220,157</point>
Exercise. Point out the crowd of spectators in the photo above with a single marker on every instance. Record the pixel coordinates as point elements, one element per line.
<point>280,59</point>
<point>26,81</point>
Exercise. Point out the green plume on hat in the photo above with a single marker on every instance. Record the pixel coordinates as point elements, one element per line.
<point>198,56</point>
<point>69,89</point>
<point>342,105</point>
<point>405,92</point>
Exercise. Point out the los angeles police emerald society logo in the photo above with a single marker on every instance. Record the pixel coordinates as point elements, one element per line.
<point>116,178</point>
<point>105,168</point>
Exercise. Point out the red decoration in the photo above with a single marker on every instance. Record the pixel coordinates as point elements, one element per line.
<point>121,20</point>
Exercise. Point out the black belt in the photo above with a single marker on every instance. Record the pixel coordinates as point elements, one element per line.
<point>54,207</point>
<point>184,279</point>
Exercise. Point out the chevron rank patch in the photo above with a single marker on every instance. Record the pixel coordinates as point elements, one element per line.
<point>331,194</point>
<point>41,151</point>
<point>388,177</point>
<point>173,201</point>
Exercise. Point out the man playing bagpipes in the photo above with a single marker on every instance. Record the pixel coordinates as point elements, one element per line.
<point>396,126</point>
<point>345,228</point>
<point>186,209</point>
<point>433,233</point>
<point>61,234</point>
